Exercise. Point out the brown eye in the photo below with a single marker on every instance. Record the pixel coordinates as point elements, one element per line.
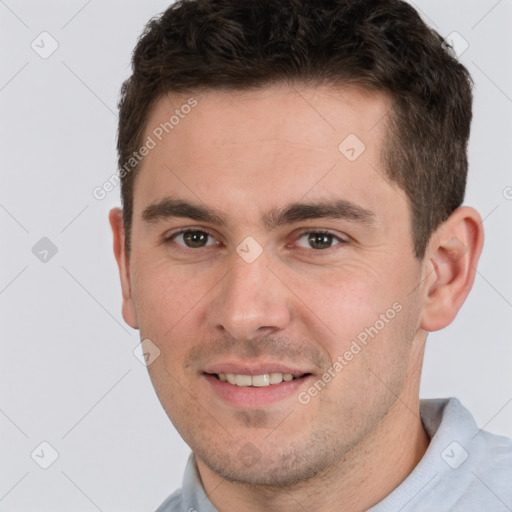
<point>194,239</point>
<point>318,240</point>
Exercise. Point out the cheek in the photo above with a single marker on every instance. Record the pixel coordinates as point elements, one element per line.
<point>169,304</point>
<point>163,290</point>
<point>363,315</point>
<point>345,303</point>
<point>370,356</point>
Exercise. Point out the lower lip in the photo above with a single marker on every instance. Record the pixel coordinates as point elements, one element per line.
<point>254,397</point>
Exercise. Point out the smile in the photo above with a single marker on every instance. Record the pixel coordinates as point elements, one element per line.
<point>257,381</point>
<point>255,388</point>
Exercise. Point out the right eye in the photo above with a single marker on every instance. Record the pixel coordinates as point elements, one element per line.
<point>193,238</point>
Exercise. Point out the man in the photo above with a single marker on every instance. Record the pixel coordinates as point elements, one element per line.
<point>292,180</point>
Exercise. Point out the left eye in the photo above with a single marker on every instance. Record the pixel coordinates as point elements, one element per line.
<point>318,240</point>
<point>194,239</point>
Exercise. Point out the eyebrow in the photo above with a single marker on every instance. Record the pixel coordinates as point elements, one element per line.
<point>169,208</point>
<point>336,209</point>
<point>289,214</point>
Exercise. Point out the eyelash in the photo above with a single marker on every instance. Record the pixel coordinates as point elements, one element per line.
<point>170,239</point>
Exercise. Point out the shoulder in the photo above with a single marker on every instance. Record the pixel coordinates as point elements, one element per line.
<point>476,468</point>
<point>191,497</point>
<point>174,503</point>
<point>488,485</point>
<point>494,468</point>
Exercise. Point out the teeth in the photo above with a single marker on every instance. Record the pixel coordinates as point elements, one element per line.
<point>261,380</point>
<point>276,378</point>
<point>258,381</point>
<point>243,380</point>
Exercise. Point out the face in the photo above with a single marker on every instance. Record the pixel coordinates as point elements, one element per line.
<point>267,245</point>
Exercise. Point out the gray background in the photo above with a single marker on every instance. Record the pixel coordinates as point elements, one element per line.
<point>69,374</point>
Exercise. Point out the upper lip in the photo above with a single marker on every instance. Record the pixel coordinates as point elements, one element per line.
<point>254,368</point>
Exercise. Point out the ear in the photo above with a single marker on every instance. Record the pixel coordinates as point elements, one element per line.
<point>116,222</point>
<point>451,260</point>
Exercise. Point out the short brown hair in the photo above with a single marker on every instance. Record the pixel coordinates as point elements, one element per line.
<point>381,45</point>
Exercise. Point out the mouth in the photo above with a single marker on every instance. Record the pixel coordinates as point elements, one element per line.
<point>254,387</point>
<point>257,381</point>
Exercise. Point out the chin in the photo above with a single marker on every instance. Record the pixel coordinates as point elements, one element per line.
<point>274,469</point>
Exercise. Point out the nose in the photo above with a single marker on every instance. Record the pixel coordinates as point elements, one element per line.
<point>251,301</point>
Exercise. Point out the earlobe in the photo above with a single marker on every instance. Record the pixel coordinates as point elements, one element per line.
<point>128,309</point>
<point>452,257</point>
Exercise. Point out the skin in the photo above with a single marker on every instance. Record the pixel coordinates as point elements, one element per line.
<point>245,154</point>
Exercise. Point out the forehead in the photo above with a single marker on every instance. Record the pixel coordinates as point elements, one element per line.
<point>297,114</point>
<point>259,149</point>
